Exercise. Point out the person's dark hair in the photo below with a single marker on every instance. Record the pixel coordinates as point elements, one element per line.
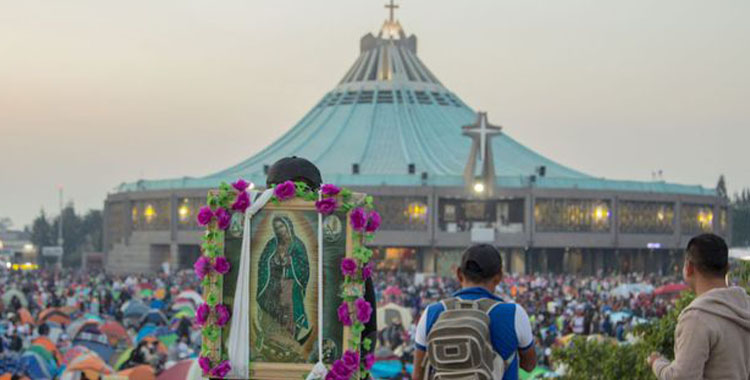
<point>481,262</point>
<point>43,329</point>
<point>295,169</point>
<point>709,253</point>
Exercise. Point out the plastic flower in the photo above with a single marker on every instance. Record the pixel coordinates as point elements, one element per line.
<point>204,215</point>
<point>285,190</point>
<point>222,315</point>
<point>350,360</point>
<point>373,222</point>
<point>358,219</point>
<point>205,364</point>
<point>242,202</point>
<point>348,266</point>
<point>222,369</point>
<point>201,314</point>
<point>221,265</point>
<point>223,218</point>
<point>364,310</point>
<point>212,299</point>
<point>202,267</point>
<point>341,370</point>
<point>326,206</point>
<point>329,190</point>
<point>344,317</point>
<point>369,361</point>
<point>241,185</point>
<point>367,271</point>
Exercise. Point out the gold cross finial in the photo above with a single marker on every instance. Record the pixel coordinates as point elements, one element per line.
<point>391,7</point>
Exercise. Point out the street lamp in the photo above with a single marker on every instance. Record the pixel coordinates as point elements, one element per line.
<point>28,247</point>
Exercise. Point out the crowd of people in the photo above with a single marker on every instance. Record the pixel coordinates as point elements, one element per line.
<point>86,324</point>
<point>559,306</point>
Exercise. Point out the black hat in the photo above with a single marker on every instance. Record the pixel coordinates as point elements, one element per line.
<point>294,169</point>
<point>481,262</point>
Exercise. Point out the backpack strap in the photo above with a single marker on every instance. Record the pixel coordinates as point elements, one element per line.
<point>450,303</point>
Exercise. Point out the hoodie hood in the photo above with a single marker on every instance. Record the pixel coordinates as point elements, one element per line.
<point>731,303</point>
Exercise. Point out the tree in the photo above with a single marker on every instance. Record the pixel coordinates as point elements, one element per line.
<point>5,223</point>
<point>93,227</point>
<point>740,209</point>
<point>42,234</point>
<point>721,188</point>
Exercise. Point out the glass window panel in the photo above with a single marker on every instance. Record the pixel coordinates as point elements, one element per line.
<point>151,215</point>
<point>572,215</point>
<point>696,219</point>
<point>647,217</point>
<point>403,213</point>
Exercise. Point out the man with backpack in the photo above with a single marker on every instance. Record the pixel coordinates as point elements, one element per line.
<point>474,334</point>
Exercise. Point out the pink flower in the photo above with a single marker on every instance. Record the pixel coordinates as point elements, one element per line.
<point>348,266</point>
<point>350,360</point>
<point>364,310</point>
<point>223,218</point>
<point>221,265</point>
<point>222,315</point>
<point>240,185</point>
<point>285,190</point>
<point>242,202</point>
<point>201,314</point>
<point>358,219</point>
<point>202,266</point>
<point>326,206</point>
<point>373,222</point>
<point>367,271</point>
<point>369,361</point>
<point>205,215</point>
<point>331,376</point>
<point>341,370</point>
<point>330,190</point>
<point>221,370</point>
<point>344,316</point>
<point>205,364</point>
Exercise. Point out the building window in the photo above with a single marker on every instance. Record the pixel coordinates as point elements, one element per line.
<point>572,215</point>
<point>116,214</point>
<point>403,213</point>
<point>187,209</point>
<point>696,219</point>
<point>646,217</point>
<point>151,215</point>
<point>460,215</point>
<point>396,259</point>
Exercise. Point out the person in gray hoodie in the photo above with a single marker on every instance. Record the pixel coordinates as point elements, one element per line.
<point>712,338</point>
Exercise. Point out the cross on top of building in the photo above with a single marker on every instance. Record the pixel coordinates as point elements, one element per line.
<point>482,130</point>
<point>391,8</point>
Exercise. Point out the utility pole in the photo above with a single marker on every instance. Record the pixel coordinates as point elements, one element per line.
<point>60,225</point>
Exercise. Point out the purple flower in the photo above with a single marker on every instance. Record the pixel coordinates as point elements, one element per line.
<point>369,361</point>
<point>222,315</point>
<point>222,369</point>
<point>358,219</point>
<point>364,310</point>
<point>201,314</point>
<point>205,364</point>
<point>285,190</point>
<point>344,316</point>
<point>350,360</point>
<point>205,215</point>
<point>202,266</point>
<point>221,265</point>
<point>241,185</point>
<point>242,202</point>
<point>367,271</point>
<point>330,190</point>
<point>341,370</point>
<point>373,222</point>
<point>348,266</point>
<point>331,376</point>
<point>326,206</point>
<point>223,218</point>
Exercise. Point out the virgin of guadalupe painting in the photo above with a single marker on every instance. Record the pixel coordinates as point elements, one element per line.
<point>283,277</point>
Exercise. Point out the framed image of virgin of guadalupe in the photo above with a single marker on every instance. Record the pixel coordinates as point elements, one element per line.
<point>290,249</point>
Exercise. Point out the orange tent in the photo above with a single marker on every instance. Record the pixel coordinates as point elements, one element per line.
<point>54,315</point>
<point>9,376</point>
<point>115,332</point>
<point>48,345</point>
<point>89,363</point>
<point>141,372</point>
<point>25,317</point>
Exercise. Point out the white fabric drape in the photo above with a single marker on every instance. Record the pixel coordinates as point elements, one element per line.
<point>238,343</point>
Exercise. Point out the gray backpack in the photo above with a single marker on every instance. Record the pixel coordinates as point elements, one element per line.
<point>459,346</point>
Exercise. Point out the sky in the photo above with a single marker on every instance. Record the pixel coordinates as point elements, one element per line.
<point>94,93</point>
